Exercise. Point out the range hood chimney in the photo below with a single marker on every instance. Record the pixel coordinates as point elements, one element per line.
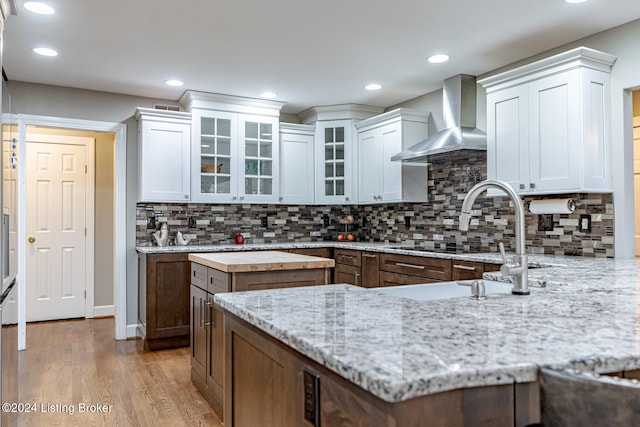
<point>459,110</point>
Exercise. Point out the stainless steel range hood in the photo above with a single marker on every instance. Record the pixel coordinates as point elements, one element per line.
<point>459,110</point>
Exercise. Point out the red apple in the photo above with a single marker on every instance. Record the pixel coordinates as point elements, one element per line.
<point>351,237</point>
<point>340,236</point>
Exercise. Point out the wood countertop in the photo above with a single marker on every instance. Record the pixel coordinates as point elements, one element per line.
<point>242,262</point>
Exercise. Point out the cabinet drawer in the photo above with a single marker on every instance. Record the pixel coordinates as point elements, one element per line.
<point>219,281</point>
<point>396,279</point>
<point>465,270</point>
<point>431,268</point>
<point>347,257</point>
<point>199,275</point>
<point>347,274</point>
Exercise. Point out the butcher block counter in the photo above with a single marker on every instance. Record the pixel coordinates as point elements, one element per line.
<point>245,271</point>
<point>219,272</point>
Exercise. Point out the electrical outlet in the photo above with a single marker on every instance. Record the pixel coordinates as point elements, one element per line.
<point>192,222</point>
<point>264,222</point>
<point>312,398</point>
<point>545,222</point>
<point>407,222</point>
<point>325,220</point>
<point>151,223</point>
<point>585,223</point>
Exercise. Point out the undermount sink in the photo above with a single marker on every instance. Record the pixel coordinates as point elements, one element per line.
<point>445,290</point>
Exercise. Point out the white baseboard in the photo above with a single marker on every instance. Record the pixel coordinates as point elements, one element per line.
<point>131,331</point>
<point>104,310</point>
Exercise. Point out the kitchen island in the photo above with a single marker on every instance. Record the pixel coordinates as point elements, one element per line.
<point>212,273</point>
<point>453,362</point>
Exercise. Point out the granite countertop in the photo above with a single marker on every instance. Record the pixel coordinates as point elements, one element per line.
<point>582,313</point>
<point>394,248</point>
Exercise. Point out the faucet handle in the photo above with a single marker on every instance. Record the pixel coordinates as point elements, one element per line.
<point>502,252</point>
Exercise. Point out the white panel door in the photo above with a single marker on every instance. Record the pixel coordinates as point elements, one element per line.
<point>56,228</point>
<point>296,168</point>
<point>508,137</point>
<point>554,144</point>
<point>370,168</point>
<point>391,172</point>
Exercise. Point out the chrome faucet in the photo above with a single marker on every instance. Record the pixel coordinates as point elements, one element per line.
<point>518,269</point>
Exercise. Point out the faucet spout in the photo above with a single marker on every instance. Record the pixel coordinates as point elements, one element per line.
<point>519,270</point>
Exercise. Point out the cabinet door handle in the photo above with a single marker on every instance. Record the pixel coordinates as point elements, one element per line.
<point>346,256</point>
<point>532,185</point>
<point>521,186</point>
<point>417,267</point>
<point>464,267</point>
<point>186,196</point>
<point>369,256</point>
<point>208,317</point>
<point>201,312</point>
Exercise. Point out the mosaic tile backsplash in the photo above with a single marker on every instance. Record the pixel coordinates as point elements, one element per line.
<point>432,225</point>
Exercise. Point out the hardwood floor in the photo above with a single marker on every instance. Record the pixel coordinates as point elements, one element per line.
<point>69,365</point>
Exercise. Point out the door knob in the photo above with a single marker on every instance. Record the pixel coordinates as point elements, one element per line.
<point>31,239</point>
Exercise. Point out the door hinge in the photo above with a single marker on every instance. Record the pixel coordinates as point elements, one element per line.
<point>85,232</point>
<point>85,294</point>
<point>85,169</point>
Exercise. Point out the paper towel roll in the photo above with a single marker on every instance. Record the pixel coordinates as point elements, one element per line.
<point>552,206</point>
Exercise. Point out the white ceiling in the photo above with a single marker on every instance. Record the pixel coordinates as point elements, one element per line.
<point>310,53</point>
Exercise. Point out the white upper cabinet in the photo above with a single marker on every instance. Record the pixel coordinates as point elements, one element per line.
<point>336,150</point>
<point>297,172</point>
<point>548,127</point>
<point>379,179</point>
<point>164,155</point>
<point>235,148</point>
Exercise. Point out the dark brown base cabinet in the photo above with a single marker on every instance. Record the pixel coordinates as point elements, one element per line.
<point>163,300</point>
<point>207,320</point>
<point>264,386</point>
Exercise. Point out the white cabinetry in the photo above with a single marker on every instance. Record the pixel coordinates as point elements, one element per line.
<point>297,176</point>
<point>235,148</point>
<point>164,156</point>
<point>336,150</point>
<point>548,127</point>
<point>379,179</point>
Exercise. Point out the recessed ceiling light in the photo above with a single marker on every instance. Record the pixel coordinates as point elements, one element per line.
<point>437,59</point>
<point>175,83</point>
<point>268,95</point>
<point>575,1</point>
<point>45,51</point>
<point>37,7</point>
<point>373,86</point>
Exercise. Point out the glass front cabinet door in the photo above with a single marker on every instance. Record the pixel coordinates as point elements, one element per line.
<point>214,157</point>
<point>259,151</point>
<point>334,145</point>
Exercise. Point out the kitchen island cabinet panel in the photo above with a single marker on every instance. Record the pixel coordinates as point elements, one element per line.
<point>265,379</point>
<point>198,331</point>
<point>278,279</point>
<point>260,270</point>
<point>163,300</point>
